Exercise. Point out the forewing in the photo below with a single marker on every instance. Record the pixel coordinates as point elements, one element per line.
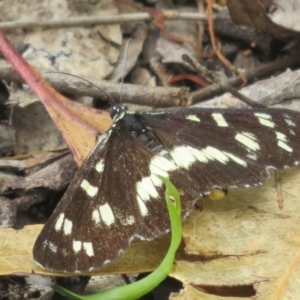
<point>109,213</point>
<point>228,148</point>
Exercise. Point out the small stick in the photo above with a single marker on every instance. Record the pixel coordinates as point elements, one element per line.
<point>154,96</point>
<point>251,75</point>
<point>222,85</point>
<point>101,20</point>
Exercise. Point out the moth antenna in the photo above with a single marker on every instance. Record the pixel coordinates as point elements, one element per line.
<point>90,82</point>
<point>123,71</point>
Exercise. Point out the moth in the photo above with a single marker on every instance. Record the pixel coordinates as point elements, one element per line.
<point>117,195</point>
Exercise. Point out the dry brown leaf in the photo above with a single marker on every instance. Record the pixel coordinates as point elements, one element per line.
<point>16,249</point>
<point>35,130</point>
<point>16,254</point>
<point>252,13</point>
<point>246,239</point>
<point>134,48</point>
<point>89,51</point>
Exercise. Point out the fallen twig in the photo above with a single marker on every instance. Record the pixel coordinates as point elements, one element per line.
<point>101,20</point>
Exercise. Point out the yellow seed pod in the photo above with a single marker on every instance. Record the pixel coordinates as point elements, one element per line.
<point>217,194</point>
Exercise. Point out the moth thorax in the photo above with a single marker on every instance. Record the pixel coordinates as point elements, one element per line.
<point>143,134</point>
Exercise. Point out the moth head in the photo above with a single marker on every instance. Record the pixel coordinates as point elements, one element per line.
<point>117,112</point>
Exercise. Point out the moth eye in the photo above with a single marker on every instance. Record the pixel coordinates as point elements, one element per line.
<point>114,111</point>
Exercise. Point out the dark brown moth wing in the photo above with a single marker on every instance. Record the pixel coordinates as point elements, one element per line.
<point>101,212</point>
<point>228,148</point>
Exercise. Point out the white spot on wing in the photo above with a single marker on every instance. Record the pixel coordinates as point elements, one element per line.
<point>263,115</point>
<point>252,156</point>
<point>146,189</point>
<point>52,247</point>
<point>67,226</point>
<point>88,248</point>
<point>59,222</point>
<point>89,189</point>
<point>193,118</point>
<point>183,157</point>
<point>77,245</point>
<point>247,140</point>
<point>292,131</point>
<point>96,216</point>
<point>45,244</point>
<point>100,166</point>
<point>282,141</point>
<point>281,136</point>
<point>142,206</point>
<point>267,123</point>
<point>265,119</point>
<point>198,154</point>
<point>161,166</point>
<point>156,181</point>
<point>107,215</point>
<point>213,153</point>
<point>128,221</point>
<point>236,159</point>
<point>289,121</point>
<point>221,122</point>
